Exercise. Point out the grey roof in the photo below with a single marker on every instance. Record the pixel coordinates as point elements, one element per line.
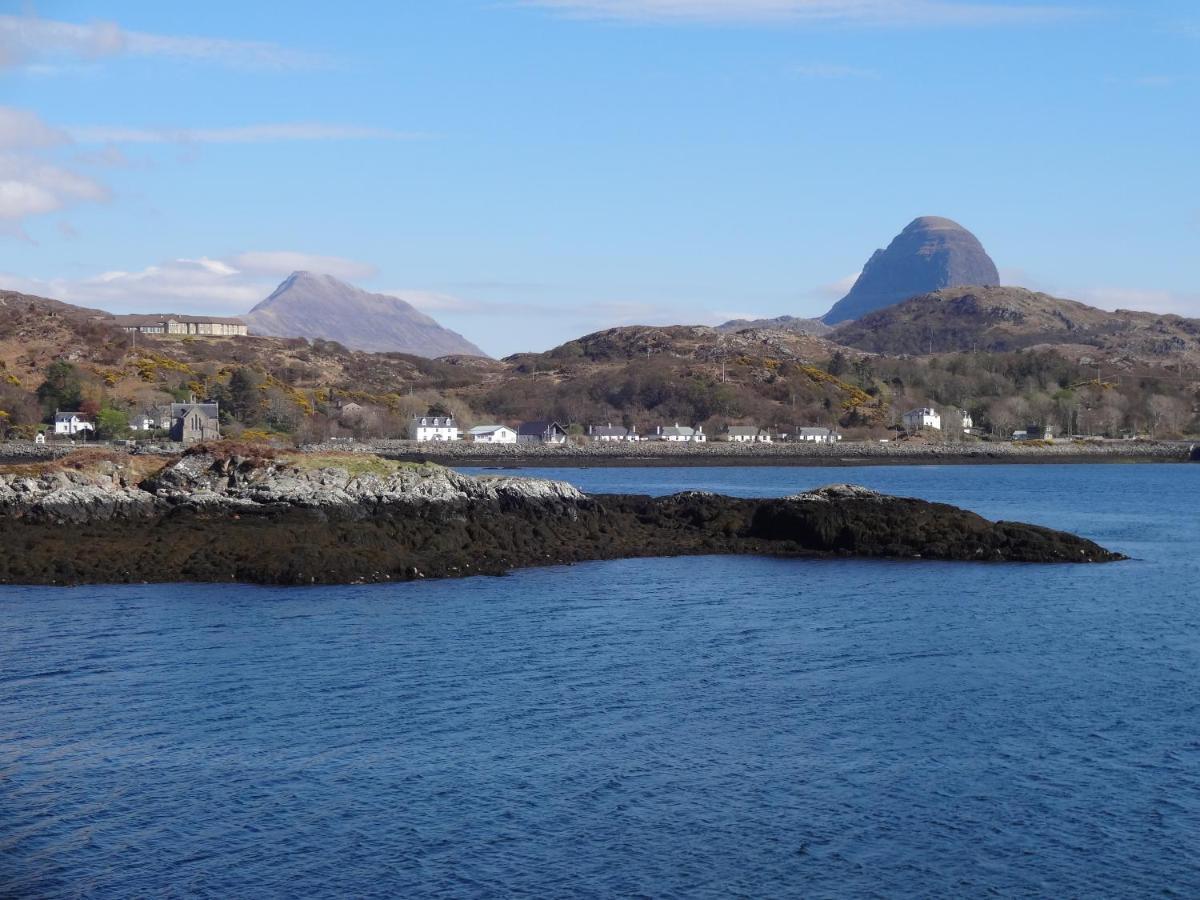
<point>608,430</point>
<point>539,427</point>
<point>485,429</point>
<point>208,408</point>
<point>747,430</point>
<point>677,430</point>
<point>814,432</point>
<point>435,421</point>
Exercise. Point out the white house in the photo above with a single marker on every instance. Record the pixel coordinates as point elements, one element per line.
<point>434,428</point>
<point>611,433</point>
<point>681,434</point>
<point>492,434</point>
<point>747,434</point>
<point>144,421</point>
<point>71,423</point>
<point>817,435</point>
<point>924,417</point>
<point>967,422</point>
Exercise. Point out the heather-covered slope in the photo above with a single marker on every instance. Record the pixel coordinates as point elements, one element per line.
<point>1007,318</point>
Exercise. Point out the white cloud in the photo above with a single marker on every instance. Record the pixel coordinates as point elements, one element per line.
<point>241,134</point>
<point>30,187</point>
<point>30,183</point>
<point>201,285</point>
<point>831,71</point>
<point>1155,300</point>
<point>24,39</point>
<point>809,12</point>
<point>22,128</point>
<point>284,262</point>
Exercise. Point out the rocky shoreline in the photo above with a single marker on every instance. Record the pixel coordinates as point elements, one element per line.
<point>221,516</point>
<point>731,454</point>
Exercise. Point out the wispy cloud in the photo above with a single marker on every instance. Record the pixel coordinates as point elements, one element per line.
<point>32,183</point>
<point>26,39</point>
<point>240,134</point>
<point>284,262</point>
<point>873,13</point>
<point>201,284</point>
<point>830,71</point>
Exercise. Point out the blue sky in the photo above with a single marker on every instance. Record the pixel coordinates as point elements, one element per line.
<point>530,171</point>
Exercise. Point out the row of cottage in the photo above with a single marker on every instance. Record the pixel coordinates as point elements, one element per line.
<point>445,428</point>
<point>186,423</point>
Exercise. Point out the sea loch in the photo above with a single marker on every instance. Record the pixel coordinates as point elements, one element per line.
<point>708,726</point>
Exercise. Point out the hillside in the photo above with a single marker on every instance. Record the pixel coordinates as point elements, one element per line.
<point>930,254</point>
<point>643,374</point>
<point>53,355</point>
<point>1006,318</point>
<point>314,306</point>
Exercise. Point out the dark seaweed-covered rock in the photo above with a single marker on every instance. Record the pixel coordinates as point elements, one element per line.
<point>219,518</point>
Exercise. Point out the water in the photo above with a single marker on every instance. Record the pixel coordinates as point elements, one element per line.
<point>683,728</point>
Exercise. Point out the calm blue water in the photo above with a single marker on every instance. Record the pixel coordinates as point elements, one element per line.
<point>669,728</point>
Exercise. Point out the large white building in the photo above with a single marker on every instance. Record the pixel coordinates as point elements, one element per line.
<point>922,418</point>
<point>434,428</point>
<point>492,434</point>
<point>72,423</point>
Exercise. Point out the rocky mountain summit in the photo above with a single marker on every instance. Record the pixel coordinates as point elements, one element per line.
<point>931,253</point>
<point>229,515</point>
<point>311,305</point>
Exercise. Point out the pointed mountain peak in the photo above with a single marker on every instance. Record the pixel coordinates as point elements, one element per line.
<point>314,305</point>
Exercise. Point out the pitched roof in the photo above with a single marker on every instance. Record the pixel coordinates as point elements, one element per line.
<point>539,427</point>
<point>208,408</point>
<point>743,430</point>
<point>608,430</point>
<point>487,429</point>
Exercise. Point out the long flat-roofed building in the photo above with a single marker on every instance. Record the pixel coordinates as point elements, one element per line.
<point>210,326</point>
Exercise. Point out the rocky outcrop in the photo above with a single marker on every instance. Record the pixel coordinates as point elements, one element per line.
<point>931,253</point>
<point>225,517</point>
<point>311,305</point>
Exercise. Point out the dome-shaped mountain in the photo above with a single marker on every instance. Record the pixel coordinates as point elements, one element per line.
<point>310,305</point>
<point>932,253</point>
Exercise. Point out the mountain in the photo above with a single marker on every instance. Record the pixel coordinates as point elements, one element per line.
<point>779,323</point>
<point>1007,318</point>
<point>311,305</point>
<point>930,254</point>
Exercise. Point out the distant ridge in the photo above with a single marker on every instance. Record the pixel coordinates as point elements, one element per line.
<point>930,254</point>
<point>1010,318</point>
<point>779,323</point>
<point>311,305</point>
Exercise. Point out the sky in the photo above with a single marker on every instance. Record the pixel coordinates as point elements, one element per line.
<point>527,171</point>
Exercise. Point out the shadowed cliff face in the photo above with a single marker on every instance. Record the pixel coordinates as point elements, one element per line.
<point>930,254</point>
<point>207,518</point>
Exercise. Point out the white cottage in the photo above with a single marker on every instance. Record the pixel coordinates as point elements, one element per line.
<point>748,434</point>
<point>681,434</point>
<point>71,423</point>
<point>611,433</point>
<point>922,418</point>
<point>492,434</point>
<point>817,435</point>
<point>433,428</point>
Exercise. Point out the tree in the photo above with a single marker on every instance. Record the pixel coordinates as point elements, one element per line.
<point>111,424</point>
<point>62,388</point>
<point>245,398</point>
